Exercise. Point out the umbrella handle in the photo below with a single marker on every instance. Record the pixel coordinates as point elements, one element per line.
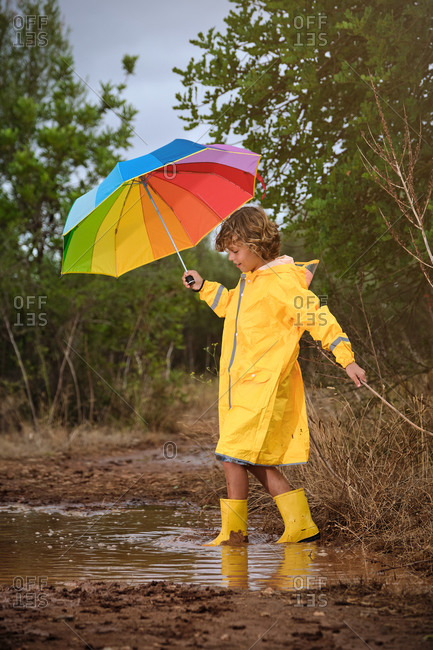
<point>189,280</point>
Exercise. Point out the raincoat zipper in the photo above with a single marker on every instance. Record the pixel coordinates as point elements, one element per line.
<point>232,358</point>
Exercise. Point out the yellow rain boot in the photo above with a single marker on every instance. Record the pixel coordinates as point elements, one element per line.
<point>299,526</point>
<point>233,523</point>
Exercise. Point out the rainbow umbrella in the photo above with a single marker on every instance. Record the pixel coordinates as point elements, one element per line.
<point>155,205</point>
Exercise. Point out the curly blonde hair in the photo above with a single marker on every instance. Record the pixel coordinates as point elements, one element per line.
<point>250,225</point>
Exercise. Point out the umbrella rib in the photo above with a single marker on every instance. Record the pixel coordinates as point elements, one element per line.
<point>221,219</point>
<point>102,236</point>
<point>163,223</point>
<point>191,196</point>
<point>117,226</point>
<point>211,147</point>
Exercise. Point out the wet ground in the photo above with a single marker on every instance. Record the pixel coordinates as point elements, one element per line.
<point>105,551</point>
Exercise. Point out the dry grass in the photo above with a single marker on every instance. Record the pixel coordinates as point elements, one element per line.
<point>197,400</point>
<point>369,480</point>
<point>51,439</point>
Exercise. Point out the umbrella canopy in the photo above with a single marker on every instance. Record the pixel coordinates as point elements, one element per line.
<point>155,205</point>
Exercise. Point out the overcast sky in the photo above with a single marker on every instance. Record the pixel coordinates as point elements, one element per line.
<point>102,31</point>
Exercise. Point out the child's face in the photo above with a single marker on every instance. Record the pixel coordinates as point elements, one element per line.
<point>243,257</point>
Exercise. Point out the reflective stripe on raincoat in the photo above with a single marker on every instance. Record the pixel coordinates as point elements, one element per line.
<point>262,414</point>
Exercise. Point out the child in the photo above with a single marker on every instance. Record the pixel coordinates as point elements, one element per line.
<point>262,414</point>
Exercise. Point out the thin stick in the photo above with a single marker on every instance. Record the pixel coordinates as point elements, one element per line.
<point>66,353</point>
<point>364,383</point>
<point>391,568</point>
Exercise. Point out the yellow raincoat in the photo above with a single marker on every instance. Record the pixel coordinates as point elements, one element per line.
<point>262,414</point>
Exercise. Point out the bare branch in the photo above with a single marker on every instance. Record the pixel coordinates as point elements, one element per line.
<point>401,243</point>
<point>402,190</point>
<point>23,372</point>
<point>62,369</point>
<point>428,196</point>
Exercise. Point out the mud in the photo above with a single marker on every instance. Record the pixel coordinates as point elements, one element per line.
<point>133,476</point>
<point>160,614</point>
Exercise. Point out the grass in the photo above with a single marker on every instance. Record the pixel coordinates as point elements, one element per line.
<point>165,414</point>
<point>382,497</point>
<point>52,439</point>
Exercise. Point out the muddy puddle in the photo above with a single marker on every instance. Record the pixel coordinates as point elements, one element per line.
<point>139,544</point>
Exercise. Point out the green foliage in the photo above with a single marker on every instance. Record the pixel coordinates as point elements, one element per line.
<point>203,328</point>
<point>55,144</point>
<point>293,82</point>
<point>54,141</point>
<point>128,63</point>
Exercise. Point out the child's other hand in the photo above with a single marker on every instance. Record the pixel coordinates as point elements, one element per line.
<point>198,280</point>
<point>355,373</point>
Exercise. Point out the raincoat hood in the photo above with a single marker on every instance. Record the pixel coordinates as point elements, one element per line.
<point>285,265</point>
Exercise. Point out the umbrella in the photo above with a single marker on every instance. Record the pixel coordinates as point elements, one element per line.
<point>152,206</point>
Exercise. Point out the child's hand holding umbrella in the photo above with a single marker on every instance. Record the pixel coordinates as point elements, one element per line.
<point>198,280</point>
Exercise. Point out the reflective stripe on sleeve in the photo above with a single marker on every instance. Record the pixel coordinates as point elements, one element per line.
<point>337,341</point>
<point>217,297</point>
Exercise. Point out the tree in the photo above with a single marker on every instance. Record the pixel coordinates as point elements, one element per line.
<point>293,81</point>
<point>54,145</point>
<point>54,141</point>
<point>294,84</point>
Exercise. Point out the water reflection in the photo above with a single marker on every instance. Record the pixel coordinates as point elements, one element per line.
<point>295,567</point>
<point>234,566</point>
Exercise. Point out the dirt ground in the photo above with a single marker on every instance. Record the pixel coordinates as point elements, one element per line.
<point>164,614</point>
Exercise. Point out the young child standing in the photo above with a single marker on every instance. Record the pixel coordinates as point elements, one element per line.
<point>262,413</point>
